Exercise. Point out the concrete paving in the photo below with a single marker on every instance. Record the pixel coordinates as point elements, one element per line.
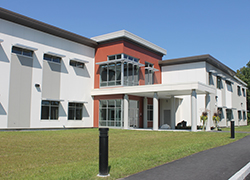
<point>217,163</point>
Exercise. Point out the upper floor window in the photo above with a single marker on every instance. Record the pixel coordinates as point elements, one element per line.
<point>50,110</point>
<point>122,56</point>
<point>243,91</point>
<point>75,111</point>
<point>210,78</point>
<point>219,82</point>
<point>76,64</point>
<point>24,52</point>
<point>120,69</point>
<point>149,74</point>
<point>51,58</point>
<point>239,90</point>
<point>229,86</point>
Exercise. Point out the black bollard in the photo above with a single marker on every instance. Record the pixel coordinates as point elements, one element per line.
<point>103,152</point>
<point>232,130</point>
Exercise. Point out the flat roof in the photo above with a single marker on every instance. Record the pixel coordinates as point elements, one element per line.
<point>46,28</point>
<point>206,57</point>
<point>128,35</point>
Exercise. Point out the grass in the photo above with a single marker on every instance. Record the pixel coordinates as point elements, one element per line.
<point>73,154</point>
<point>238,129</point>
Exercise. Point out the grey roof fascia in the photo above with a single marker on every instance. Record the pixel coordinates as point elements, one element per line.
<point>207,58</point>
<point>46,28</point>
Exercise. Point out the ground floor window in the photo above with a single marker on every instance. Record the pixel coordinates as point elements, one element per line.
<point>244,115</point>
<point>239,115</point>
<point>229,114</point>
<point>75,111</point>
<point>50,110</point>
<point>150,112</point>
<point>110,113</point>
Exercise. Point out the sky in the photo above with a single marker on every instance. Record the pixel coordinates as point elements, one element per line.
<point>184,28</point>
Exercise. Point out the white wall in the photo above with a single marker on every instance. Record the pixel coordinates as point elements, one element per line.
<point>184,73</point>
<point>75,84</point>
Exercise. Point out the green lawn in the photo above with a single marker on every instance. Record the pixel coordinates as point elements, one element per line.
<point>238,129</point>
<point>73,154</point>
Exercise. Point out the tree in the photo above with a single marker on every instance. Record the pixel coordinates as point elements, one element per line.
<point>244,75</point>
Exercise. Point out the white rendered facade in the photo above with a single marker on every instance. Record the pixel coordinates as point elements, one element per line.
<point>225,98</point>
<point>69,83</point>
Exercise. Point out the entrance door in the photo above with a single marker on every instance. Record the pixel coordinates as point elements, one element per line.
<point>167,117</point>
<point>133,114</point>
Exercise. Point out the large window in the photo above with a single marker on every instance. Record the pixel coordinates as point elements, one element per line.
<point>244,115</point>
<point>21,51</point>
<point>121,69</point>
<point>110,74</point>
<point>110,113</point>
<point>150,112</point>
<point>149,74</point>
<point>50,110</point>
<point>243,91</point>
<point>75,111</point>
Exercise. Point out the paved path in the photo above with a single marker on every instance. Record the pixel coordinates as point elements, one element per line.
<point>217,163</point>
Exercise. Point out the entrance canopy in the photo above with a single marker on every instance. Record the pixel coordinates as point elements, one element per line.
<point>163,90</point>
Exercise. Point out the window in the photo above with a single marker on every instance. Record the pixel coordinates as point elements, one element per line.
<point>51,58</point>
<point>75,111</point>
<point>50,110</point>
<point>111,73</point>
<point>149,74</point>
<point>211,82</point>
<point>239,115</point>
<point>220,113</point>
<point>229,86</point>
<point>110,113</point>
<point>219,82</point>
<point>122,56</point>
<point>229,114</point>
<point>76,64</point>
<point>150,112</point>
<point>243,91</point>
<point>21,51</point>
<point>244,115</point>
<point>238,90</point>
<point>131,74</point>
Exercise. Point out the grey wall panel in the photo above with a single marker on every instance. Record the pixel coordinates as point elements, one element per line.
<point>20,91</point>
<point>51,80</point>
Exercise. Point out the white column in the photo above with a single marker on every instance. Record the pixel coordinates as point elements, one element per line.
<point>145,114</point>
<point>172,112</point>
<point>209,111</point>
<point>126,111</point>
<point>193,110</point>
<point>155,111</point>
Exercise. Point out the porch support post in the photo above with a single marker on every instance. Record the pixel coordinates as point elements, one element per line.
<point>145,114</point>
<point>172,112</point>
<point>193,110</point>
<point>126,111</point>
<point>209,111</point>
<point>155,111</point>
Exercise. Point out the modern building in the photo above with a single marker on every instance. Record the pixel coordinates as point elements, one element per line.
<point>52,78</point>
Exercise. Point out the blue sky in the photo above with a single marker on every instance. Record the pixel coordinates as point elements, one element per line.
<point>220,28</point>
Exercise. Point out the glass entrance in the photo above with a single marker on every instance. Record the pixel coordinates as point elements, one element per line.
<point>133,115</point>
